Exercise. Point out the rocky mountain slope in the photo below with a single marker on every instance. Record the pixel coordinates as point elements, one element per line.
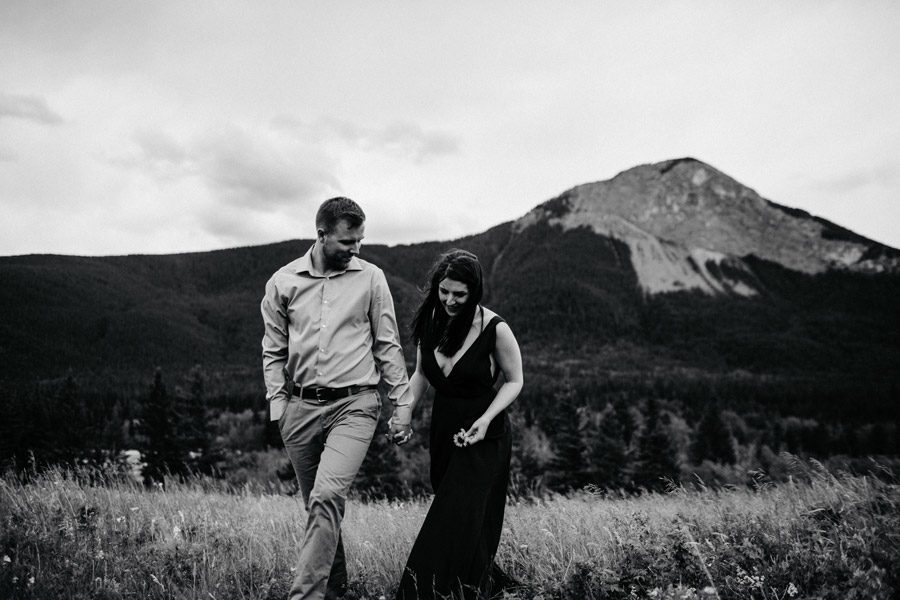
<point>688,226</point>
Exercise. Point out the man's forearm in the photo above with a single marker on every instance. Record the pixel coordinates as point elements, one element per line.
<point>276,379</point>
<point>417,387</point>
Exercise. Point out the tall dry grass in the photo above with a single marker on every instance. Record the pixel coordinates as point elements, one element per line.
<point>822,536</point>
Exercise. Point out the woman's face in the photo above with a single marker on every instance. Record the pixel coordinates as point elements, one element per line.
<point>452,295</point>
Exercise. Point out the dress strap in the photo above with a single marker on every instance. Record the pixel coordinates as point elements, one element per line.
<point>496,319</point>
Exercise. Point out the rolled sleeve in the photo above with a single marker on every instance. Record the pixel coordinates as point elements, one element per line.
<point>386,347</point>
<point>275,349</point>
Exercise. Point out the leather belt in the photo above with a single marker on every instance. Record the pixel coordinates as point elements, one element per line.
<point>327,394</point>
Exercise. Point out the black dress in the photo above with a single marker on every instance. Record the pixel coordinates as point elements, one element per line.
<point>453,555</point>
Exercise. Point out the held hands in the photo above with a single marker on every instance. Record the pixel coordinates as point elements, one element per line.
<point>399,431</point>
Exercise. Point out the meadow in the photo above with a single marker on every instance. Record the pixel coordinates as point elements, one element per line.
<point>819,535</point>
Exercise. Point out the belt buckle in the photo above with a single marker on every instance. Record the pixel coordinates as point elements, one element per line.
<point>319,397</point>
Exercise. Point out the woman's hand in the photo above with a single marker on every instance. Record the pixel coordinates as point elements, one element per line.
<point>398,433</point>
<point>477,431</point>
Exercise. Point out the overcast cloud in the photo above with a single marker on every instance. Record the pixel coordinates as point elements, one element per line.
<point>30,108</point>
<point>170,126</point>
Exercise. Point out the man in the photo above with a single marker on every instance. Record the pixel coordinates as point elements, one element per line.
<point>330,337</point>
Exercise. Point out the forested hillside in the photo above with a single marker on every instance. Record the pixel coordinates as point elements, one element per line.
<point>613,375</point>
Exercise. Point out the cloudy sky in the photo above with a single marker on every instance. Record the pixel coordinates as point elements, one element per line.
<point>169,126</point>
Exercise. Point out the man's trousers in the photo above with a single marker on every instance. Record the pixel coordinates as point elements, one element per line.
<point>326,443</point>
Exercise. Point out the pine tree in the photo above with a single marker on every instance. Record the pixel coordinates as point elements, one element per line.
<point>195,436</point>
<point>68,418</point>
<point>192,431</point>
<point>657,461</point>
<point>713,440</point>
<point>16,427</point>
<point>110,429</point>
<point>161,452</point>
<point>626,418</point>
<point>607,451</point>
<point>568,466</point>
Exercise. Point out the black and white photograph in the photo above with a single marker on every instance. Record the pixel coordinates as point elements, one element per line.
<point>589,300</point>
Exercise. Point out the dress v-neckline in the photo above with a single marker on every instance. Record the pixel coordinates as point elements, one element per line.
<point>484,327</point>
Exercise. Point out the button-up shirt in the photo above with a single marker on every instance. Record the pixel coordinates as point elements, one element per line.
<point>330,331</point>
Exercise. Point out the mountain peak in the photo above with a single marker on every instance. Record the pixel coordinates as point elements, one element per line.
<point>674,212</point>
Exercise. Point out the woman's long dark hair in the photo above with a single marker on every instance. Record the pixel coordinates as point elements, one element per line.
<point>432,327</point>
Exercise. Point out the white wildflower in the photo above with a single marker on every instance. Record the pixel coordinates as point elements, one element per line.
<point>751,581</point>
<point>792,590</point>
<point>6,559</point>
<point>176,532</point>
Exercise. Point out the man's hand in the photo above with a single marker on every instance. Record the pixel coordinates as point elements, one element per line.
<point>400,430</point>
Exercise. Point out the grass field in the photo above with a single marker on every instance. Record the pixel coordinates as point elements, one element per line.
<point>819,536</point>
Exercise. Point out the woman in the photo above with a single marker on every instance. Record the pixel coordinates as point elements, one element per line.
<point>462,348</point>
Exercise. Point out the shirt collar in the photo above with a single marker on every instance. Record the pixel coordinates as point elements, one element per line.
<point>305,265</point>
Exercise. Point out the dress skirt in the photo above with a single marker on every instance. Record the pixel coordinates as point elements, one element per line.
<point>453,556</point>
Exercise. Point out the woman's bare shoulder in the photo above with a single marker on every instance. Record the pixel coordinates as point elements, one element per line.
<point>488,314</point>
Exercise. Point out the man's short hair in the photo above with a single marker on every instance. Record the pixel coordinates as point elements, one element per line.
<point>334,210</point>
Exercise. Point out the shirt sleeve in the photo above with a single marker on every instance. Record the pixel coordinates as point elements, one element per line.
<point>386,341</point>
<point>274,345</point>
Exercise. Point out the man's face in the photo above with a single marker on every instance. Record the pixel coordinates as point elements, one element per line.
<point>342,244</point>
